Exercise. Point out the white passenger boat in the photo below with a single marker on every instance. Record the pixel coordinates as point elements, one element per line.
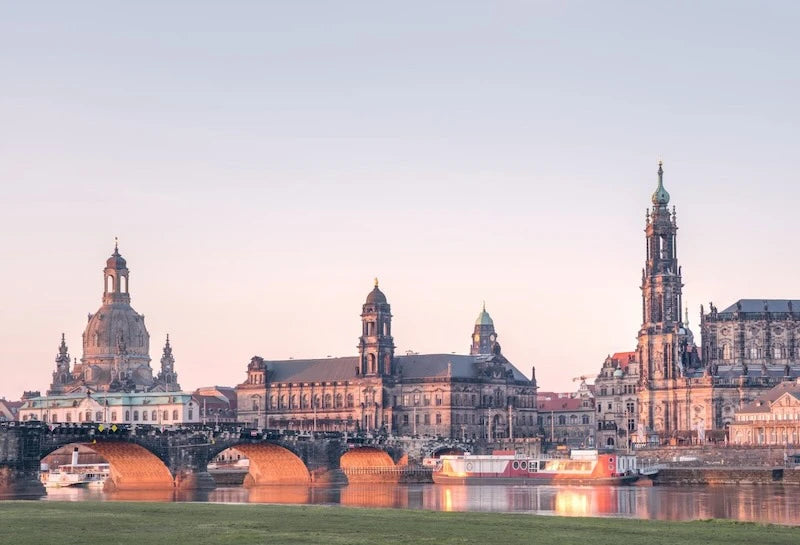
<point>75,474</point>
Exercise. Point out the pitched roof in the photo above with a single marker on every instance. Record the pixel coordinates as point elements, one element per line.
<point>556,403</point>
<point>763,402</point>
<point>757,305</point>
<point>624,358</point>
<point>416,366</point>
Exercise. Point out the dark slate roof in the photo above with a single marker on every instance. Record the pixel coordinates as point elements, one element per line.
<point>415,366</point>
<point>757,305</point>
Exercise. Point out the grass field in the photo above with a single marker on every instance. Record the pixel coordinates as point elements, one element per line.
<point>40,523</point>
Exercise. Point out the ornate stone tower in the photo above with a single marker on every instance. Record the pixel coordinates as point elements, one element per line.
<point>167,379</point>
<point>62,375</point>
<point>659,345</point>
<point>376,345</point>
<point>484,338</point>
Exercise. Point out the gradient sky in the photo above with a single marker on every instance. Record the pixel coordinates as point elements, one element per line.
<point>262,161</point>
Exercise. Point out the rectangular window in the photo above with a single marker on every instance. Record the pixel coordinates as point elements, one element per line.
<point>427,418</point>
<point>438,418</point>
<point>405,420</point>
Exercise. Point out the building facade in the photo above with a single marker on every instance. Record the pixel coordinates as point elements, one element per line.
<point>568,418</point>
<point>477,395</point>
<point>9,410</point>
<point>616,391</point>
<point>132,408</point>
<point>772,419</point>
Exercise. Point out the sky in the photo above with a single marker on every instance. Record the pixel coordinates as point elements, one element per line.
<point>261,162</point>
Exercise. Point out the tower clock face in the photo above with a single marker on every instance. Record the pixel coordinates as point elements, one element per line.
<point>476,337</point>
<point>492,337</point>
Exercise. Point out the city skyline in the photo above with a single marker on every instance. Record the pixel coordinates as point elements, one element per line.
<point>259,177</point>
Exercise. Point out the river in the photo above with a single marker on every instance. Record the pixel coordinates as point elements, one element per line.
<point>765,503</point>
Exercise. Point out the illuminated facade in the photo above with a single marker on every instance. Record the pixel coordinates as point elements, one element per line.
<point>477,395</point>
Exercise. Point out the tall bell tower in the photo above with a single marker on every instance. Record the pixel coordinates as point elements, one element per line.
<point>659,339</point>
<point>376,345</point>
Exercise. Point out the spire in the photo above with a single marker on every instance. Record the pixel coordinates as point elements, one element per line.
<point>116,245</point>
<point>376,281</point>
<point>660,198</point>
<point>686,316</point>
<point>62,348</point>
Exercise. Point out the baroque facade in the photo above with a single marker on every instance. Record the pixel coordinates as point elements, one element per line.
<point>746,349</point>
<point>616,391</point>
<point>772,419</point>
<point>480,395</point>
<point>116,346</point>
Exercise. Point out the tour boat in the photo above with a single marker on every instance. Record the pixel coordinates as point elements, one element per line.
<point>582,467</point>
<point>75,474</point>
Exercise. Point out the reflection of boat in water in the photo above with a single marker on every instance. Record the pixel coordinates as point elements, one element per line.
<point>75,474</point>
<point>582,467</point>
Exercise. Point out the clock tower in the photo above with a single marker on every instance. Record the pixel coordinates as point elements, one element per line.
<point>484,337</point>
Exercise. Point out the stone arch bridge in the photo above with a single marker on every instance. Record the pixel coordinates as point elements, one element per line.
<point>148,457</point>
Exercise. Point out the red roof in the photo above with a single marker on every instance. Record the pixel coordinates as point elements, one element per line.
<point>552,401</point>
<point>624,358</point>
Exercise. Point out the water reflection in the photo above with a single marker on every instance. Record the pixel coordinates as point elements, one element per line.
<point>776,504</point>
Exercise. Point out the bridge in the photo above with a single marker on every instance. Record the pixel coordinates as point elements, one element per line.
<point>152,458</point>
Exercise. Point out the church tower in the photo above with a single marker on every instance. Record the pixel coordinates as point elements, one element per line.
<point>167,378</point>
<point>62,375</point>
<point>376,345</point>
<point>659,343</point>
<point>484,338</point>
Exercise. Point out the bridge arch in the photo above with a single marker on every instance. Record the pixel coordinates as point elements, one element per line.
<point>272,464</point>
<point>447,451</point>
<point>368,465</point>
<point>132,467</point>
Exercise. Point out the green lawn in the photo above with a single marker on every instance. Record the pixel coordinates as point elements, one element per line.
<point>40,523</point>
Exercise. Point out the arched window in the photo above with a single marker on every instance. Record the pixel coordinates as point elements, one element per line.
<point>304,401</point>
<point>293,402</point>
<point>585,419</point>
<point>175,414</point>
<point>165,416</point>
<point>135,416</point>
<point>327,401</point>
<point>338,401</point>
<point>271,402</point>
<point>144,416</point>
<point>371,363</point>
<point>282,402</point>
<point>315,402</point>
<point>154,416</point>
<point>113,416</point>
<point>350,400</point>
<point>573,419</point>
<point>123,284</point>
<point>562,419</point>
<point>127,416</point>
<point>256,402</point>
<point>110,284</point>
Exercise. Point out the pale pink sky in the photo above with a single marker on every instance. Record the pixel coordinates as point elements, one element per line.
<point>263,162</point>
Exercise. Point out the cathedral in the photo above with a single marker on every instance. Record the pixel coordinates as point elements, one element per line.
<point>683,390</point>
<point>479,395</point>
<point>116,346</point>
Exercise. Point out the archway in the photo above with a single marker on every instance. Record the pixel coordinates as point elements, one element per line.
<point>273,464</point>
<point>448,451</point>
<point>369,465</point>
<point>132,467</point>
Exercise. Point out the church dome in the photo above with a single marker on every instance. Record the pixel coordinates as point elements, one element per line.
<point>619,373</point>
<point>115,327</point>
<point>376,296</point>
<point>660,197</point>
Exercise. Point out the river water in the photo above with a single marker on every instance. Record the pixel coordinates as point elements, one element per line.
<point>765,503</point>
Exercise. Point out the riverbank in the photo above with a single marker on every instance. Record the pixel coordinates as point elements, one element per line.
<point>125,523</point>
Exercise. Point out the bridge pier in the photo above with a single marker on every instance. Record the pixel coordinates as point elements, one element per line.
<point>188,479</point>
<point>20,483</point>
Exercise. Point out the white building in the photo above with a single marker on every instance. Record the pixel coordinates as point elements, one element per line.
<point>145,408</point>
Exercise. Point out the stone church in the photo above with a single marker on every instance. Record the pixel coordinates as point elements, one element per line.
<point>116,346</point>
<point>746,349</point>
<point>478,395</point>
